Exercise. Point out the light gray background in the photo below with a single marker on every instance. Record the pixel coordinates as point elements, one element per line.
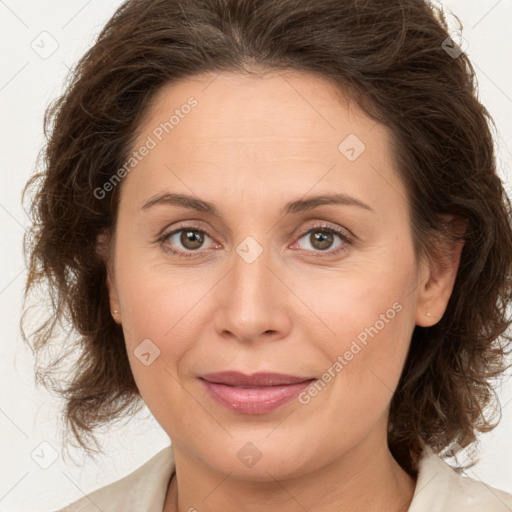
<point>28,81</point>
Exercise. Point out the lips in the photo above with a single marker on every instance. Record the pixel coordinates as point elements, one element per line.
<point>261,379</point>
<point>259,393</point>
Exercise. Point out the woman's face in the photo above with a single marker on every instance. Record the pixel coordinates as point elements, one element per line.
<point>257,285</point>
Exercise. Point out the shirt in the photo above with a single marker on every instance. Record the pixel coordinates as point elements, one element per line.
<point>439,488</point>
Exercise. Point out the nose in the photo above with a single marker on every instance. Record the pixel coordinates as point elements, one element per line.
<point>252,301</point>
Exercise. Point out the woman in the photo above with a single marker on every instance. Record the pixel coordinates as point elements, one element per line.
<point>278,225</point>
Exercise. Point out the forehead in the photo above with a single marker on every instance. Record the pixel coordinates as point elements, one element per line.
<point>277,131</point>
<point>292,106</point>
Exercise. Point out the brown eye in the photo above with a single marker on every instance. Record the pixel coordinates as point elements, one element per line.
<point>184,241</point>
<point>321,240</point>
<point>191,239</point>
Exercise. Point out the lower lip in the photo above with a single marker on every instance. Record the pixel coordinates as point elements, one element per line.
<point>254,400</point>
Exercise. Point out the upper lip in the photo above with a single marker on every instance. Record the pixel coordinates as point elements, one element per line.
<point>233,378</point>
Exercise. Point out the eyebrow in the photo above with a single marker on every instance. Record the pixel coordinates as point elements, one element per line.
<point>296,206</point>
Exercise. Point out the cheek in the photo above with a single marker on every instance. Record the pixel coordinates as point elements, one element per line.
<point>156,326</point>
<point>358,305</point>
<point>366,320</point>
<point>156,313</point>
<point>363,365</point>
<point>155,299</point>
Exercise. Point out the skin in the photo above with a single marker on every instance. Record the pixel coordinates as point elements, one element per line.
<point>249,146</point>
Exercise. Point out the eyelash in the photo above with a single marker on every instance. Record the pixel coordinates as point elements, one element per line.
<point>345,238</point>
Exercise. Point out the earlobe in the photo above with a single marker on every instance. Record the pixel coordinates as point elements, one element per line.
<point>438,276</point>
<point>113,297</point>
<point>104,250</point>
<point>112,293</point>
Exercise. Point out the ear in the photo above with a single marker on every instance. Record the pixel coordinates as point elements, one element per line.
<point>105,249</point>
<point>437,276</point>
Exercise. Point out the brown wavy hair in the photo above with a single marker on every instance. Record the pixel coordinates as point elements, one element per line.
<point>391,56</point>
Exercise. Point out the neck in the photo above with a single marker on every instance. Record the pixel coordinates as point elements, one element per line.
<point>365,478</point>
